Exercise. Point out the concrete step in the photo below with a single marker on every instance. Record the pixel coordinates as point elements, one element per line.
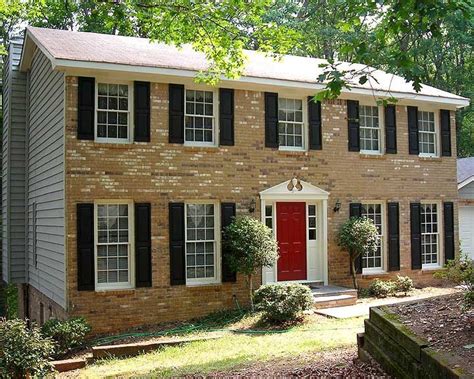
<point>332,301</point>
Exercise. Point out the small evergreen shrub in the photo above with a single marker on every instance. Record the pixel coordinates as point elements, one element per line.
<point>11,301</point>
<point>403,284</point>
<point>24,351</point>
<point>460,271</point>
<point>67,334</point>
<point>283,302</point>
<point>382,288</point>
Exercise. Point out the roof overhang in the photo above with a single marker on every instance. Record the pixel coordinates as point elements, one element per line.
<point>466,182</point>
<point>77,67</point>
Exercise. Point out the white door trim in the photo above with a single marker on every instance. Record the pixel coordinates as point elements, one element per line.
<point>309,194</point>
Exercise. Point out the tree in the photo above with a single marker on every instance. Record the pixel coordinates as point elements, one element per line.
<point>358,236</point>
<point>249,246</point>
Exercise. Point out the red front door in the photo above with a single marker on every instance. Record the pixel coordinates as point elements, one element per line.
<point>291,236</point>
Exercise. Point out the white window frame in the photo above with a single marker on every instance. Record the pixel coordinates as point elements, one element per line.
<point>440,215</point>
<point>131,244</point>
<point>383,244</point>
<point>215,110</point>
<point>217,238</point>
<point>436,133</point>
<point>381,130</point>
<point>305,132</point>
<point>130,111</point>
<point>315,217</point>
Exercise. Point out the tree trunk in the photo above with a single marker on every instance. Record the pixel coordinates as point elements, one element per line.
<point>354,274</point>
<point>249,279</point>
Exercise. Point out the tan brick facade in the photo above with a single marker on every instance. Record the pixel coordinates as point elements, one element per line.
<point>159,172</point>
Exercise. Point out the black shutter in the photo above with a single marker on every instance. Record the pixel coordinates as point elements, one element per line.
<point>393,237</point>
<point>85,247</point>
<point>314,120</point>
<point>176,113</point>
<point>445,133</point>
<point>227,214</point>
<point>448,231</point>
<point>85,108</point>
<point>355,210</point>
<point>177,252</point>
<point>143,245</point>
<point>413,147</point>
<point>142,111</point>
<point>353,125</point>
<point>226,117</point>
<point>390,129</point>
<point>271,119</point>
<point>415,227</point>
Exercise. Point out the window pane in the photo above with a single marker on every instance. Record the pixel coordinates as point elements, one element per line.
<point>200,243</point>
<point>290,126</point>
<point>429,234</point>
<point>374,213</point>
<point>199,103</point>
<point>369,128</point>
<point>112,256</point>
<point>113,102</point>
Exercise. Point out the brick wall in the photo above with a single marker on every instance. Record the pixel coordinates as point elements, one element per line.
<point>159,172</point>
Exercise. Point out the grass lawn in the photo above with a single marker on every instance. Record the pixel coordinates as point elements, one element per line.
<point>234,350</point>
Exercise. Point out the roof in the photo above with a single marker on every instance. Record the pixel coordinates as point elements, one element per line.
<point>69,49</point>
<point>465,171</point>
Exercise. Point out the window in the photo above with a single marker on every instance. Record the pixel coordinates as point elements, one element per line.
<point>429,235</point>
<point>369,129</point>
<point>269,216</point>
<point>113,248</point>
<point>199,120</point>
<point>373,261</point>
<point>427,133</point>
<point>113,112</point>
<point>201,247</point>
<point>312,222</point>
<point>290,123</point>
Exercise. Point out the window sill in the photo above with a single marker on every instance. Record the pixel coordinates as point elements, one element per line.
<point>431,268</point>
<point>429,158</point>
<point>200,285</point>
<point>292,151</point>
<point>372,155</point>
<point>373,273</point>
<point>115,291</point>
<point>113,145</point>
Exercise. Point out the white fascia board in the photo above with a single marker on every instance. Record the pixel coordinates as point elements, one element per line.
<point>65,64</point>
<point>466,182</point>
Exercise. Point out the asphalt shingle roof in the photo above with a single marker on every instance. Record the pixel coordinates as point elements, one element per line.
<point>103,48</point>
<point>465,169</point>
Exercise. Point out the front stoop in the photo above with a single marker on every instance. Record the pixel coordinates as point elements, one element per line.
<point>333,296</point>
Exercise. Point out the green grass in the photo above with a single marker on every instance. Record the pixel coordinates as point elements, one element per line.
<point>233,350</point>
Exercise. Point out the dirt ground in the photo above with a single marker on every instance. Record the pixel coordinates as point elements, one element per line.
<point>340,363</point>
<point>446,327</point>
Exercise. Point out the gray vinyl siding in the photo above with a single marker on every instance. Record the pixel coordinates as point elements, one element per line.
<point>467,192</point>
<point>13,167</point>
<point>45,180</point>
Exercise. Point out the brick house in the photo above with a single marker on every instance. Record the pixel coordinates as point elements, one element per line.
<point>119,172</point>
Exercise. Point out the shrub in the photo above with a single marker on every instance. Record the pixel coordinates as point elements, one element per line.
<point>24,351</point>
<point>283,302</point>
<point>249,245</point>
<point>460,271</point>
<point>67,334</point>
<point>357,236</point>
<point>403,284</point>
<point>382,288</point>
<point>11,301</point>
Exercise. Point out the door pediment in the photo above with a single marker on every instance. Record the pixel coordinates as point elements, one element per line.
<point>288,190</point>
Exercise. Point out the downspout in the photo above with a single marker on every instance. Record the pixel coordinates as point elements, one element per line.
<point>26,202</point>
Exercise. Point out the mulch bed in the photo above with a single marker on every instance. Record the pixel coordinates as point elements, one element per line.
<point>340,363</point>
<point>441,322</point>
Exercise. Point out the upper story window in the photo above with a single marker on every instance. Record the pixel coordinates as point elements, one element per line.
<point>113,112</point>
<point>290,123</point>
<point>113,247</point>
<point>370,134</point>
<point>429,235</point>
<point>427,133</point>
<point>374,261</point>
<point>201,249</point>
<point>199,120</point>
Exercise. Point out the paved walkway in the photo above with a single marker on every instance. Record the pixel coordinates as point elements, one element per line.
<point>363,306</point>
